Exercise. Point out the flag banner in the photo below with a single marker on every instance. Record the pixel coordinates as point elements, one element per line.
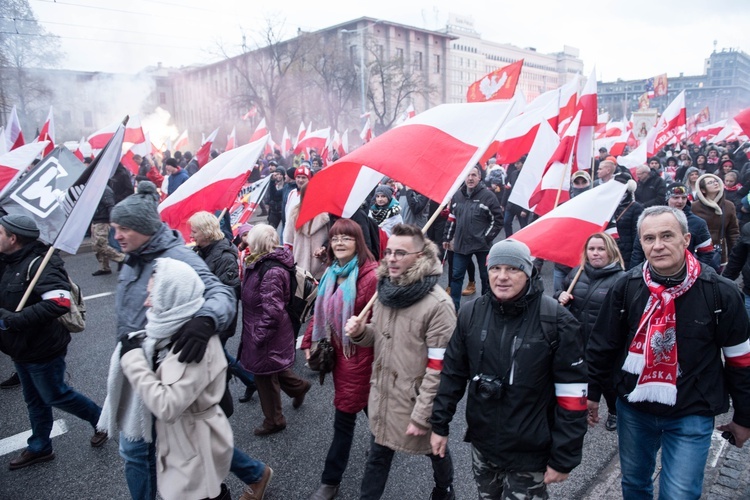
<point>13,132</point>
<point>38,193</point>
<point>431,153</point>
<point>203,154</point>
<point>14,163</point>
<point>250,113</point>
<point>743,120</point>
<point>181,143</point>
<point>213,187</point>
<point>48,133</point>
<point>571,223</point>
<point>500,84</point>
<point>671,122</point>
<point>531,174</point>
<point>316,139</point>
<point>248,200</point>
<point>300,133</point>
<point>260,131</point>
<point>286,142</point>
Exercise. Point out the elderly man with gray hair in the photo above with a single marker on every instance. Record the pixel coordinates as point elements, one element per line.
<point>665,327</point>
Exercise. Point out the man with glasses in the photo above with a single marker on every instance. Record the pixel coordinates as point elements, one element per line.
<point>411,324</point>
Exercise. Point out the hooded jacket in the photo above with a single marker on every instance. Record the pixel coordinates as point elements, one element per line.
<point>721,217</point>
<point>528,427</point>
<point>475,220</point>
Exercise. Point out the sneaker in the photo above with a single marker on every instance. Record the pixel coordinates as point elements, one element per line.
<point>325,492</point>
<point>470,289</point>
<point>441,494</point>
<point>98,439</point>
<point>27,458</point>
<point>256,491</point>
<point>12,382</point>
<point>611,423</point>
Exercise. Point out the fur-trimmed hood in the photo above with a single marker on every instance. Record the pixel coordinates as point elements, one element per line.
<point>715,203</point>
<point>427,264</point>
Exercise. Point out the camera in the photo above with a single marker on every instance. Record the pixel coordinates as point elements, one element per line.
<point>488,386</point>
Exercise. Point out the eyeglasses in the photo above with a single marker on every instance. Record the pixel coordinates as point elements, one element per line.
<point>711,182</point>
<point>398,254</point>
<point>342,239</point>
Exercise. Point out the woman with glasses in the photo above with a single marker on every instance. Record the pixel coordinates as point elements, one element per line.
<point>602,266</point>
<point>719,214</point>
<point>346,287</point>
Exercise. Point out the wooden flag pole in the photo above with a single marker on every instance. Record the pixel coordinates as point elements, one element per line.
<point>34,281</point>
<point>575,280</point>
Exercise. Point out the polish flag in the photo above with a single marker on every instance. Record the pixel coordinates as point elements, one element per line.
<point>286,142</point>
<point>213,187</point>
<point>231,140</point>
<point>48,133</point>
<point>181,143</point>
<point>431,153</point>
<point>410,113</point>
<point>743,120</point>
<point>343,147</point>
<point>568,101</point>
<point>554,187</point>
<point>250,113</point>
<point>3,145</point>
<point>129,162</point>
<point>133,133</point>
<point>260,131</point>
<point>203,154</point>
<point>366,134</point>
<point>587,105</point>
<point>499,84</point>
<point>300,133</point>
<point>516,137</point>
<point>79,152</point>
<point>270,146</point>
<point>316,139</point>
<point>571,223</point>
<point>15,162</point>
<point>531,174</point>
<point>13,132</point>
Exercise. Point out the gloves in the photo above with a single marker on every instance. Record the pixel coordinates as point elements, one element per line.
<point>130,343</point>
<point>192,339</point>
<point>4,319</point>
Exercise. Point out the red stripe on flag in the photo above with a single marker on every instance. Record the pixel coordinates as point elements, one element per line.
<point>567,233</point>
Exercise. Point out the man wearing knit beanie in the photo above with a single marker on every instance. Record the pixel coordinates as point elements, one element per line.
<point>522,355</point>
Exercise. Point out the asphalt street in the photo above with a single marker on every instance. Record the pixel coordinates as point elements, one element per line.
<point>296,454</point>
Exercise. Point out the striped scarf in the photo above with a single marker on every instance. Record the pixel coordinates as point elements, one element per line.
<point>335,304</point>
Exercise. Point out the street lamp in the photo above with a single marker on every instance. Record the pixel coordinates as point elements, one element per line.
<point>361,32</point>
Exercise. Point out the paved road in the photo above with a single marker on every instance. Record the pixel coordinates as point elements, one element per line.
<point>296,455</point>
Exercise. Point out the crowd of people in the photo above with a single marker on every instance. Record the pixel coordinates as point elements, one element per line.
<point>536,362</point>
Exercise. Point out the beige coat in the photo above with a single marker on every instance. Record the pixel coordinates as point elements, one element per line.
<point>194,439</point>
<point>402,387</point>
<point>310,237</point>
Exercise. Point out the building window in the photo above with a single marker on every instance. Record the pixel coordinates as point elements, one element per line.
<point>400,54</point>
<point>418,61</point>
<point>437,63</point>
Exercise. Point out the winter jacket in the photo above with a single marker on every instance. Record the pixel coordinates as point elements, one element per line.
<point>704,383</point>
<point>222,260</point>
<point>121,183</point>
<point>310,237</point>
<point>652,191</point>
<point>589,293</point>
<point>738,260</point>
<point>195,445</point>
<point>474,221</point>
<point>626,215</point>
<point>731,232</point>
<point>176,180</point>
<point>33,335</point>
<point>220,303</point>
<point>101,214</point>
<point>528,427</point>
<point>351,376</point>
<point>402,385</point>
<point>267,344</point>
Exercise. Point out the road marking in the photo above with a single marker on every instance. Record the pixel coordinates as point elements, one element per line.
<point>18,442</point>
<point>98,295</point>
<point>718,444</point>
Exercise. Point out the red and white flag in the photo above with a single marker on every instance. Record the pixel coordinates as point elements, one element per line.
<point>554,187</point>
<point>181,143</point>
<point>250,113</point>
<point>588,106</point>
<point>79,151</point>
<point>3,146</point>
<point>366,134</point>
<point>571,223</point>
<point>270,146</point>
<point>343,147</point>
<point>300,133</point>
<point>213,187</point>
<point>133,133</point>
<point>247,201</point>
<point>13,132</point>
<point>14,163</point>
<point>286,142</point>
<point>516,137</point>
<point>316,139</point>
<point>500,84</point>
<point>231,140</point>
<point>568,101</point>
<point>743,120</point>
<point>431,153</point>
<point>203,154</point>
<point>48,133</point>
<point>531,174</point>
<point>410,113</point>
<point>260,131</point>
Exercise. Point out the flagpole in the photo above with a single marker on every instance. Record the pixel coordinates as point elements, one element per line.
<point>33,282</point>
<point>575,280</point>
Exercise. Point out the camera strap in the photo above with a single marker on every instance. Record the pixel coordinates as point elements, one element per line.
<point>516,343</point>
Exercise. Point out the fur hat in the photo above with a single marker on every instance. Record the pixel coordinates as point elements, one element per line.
<point>511,253</point>
<point>139,211</point>
<point>21,225</point>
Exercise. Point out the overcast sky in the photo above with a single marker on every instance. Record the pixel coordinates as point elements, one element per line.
<point>624,39</point>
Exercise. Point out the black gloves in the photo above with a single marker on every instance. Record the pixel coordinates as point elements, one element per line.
<point>192,339</point>
<point>128,344</point>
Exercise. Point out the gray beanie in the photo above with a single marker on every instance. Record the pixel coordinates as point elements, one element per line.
<point>139,211</point>
<point>21,225</point>
<point>386,191</point>
<point>511,253</point>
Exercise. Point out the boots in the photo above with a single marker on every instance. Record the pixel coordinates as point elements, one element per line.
<point>470,289</point>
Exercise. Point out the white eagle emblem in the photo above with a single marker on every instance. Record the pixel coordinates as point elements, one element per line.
<point>662,344</point>
<point>490,85</point>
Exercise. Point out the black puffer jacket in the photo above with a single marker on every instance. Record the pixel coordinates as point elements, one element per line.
<point>626,215</point>
<point>474,221</point>
<point>33,335</point>
<point>589,293</point>
<point>527,428</point>
<point>738,260</point>
<point>101,215</point>
<point>222,260</point>
<point>652,191</point>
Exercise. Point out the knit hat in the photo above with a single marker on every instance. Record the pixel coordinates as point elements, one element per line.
<point>20,225</point>
<point>581,174</point>
<point>303,170</point>
<point>511,253</point>
<point>676,189</point>
<point>386,191</point>
<point>139,211</point>
<point>244,228</point>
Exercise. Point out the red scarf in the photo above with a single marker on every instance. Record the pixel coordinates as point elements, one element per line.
<point>653,353</point>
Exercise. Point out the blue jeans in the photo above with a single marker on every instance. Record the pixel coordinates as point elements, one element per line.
<point>44,387</point>
<point>684,446</point>
<point>246,468</point>
<point>510,214</point>
<point>460,263</point>
<point>238,371</point>
<point>747,304</point>
<point>558,276</point>
<point>341,447</point>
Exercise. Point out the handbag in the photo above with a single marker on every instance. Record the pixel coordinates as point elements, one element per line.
<point>322,359</point>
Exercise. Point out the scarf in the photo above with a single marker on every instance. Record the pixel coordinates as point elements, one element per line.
<point>335,304</point>
<point>402,296</point>
<point>386,212</point>
<point>653,353</point>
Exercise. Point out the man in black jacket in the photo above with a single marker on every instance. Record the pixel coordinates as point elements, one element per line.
<point>35,340</point>
<point>522,354</point>
<point>660,340</point>
<point>651,188</point>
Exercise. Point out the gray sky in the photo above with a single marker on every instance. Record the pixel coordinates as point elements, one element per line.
<point>624,39</point>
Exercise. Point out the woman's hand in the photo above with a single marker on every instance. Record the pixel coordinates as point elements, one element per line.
<point>307,354</point>
<point>564,298</point>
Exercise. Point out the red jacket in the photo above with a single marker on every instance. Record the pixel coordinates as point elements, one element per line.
<point>351,376</point>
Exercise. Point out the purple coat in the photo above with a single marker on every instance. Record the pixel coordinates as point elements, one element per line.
<point>267,344</point>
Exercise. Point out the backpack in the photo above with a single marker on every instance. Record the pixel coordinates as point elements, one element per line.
<point>75,319</point>
<point>304,292</point>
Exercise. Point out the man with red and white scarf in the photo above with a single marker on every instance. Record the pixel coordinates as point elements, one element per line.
<point>664,332</point>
